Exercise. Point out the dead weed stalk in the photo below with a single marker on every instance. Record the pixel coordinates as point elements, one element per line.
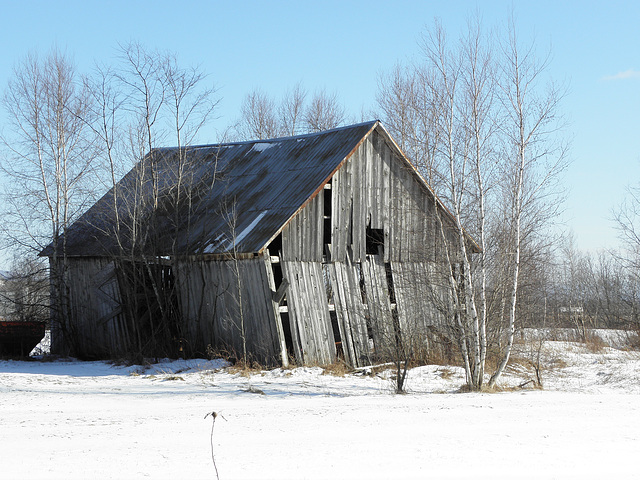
<point>214,415</point>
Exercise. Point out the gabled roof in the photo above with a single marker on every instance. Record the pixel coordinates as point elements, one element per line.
<point>234,196</point>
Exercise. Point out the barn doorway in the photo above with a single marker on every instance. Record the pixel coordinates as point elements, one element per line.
<point>150,303</point>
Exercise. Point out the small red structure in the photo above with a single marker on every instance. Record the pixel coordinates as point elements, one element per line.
<point>19,338</point>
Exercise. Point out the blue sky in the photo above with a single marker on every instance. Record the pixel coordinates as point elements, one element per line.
<point>343,46</point>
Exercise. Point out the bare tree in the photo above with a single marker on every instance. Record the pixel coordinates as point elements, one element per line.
<point>48,154</point>
<point>626,219</point>
<point>24,292</point>
<point>291,110</point>
<point>613,290</point>
<point>148,100</point>
<point>237,314</point>
<point>409,112</point>
<point>534,156</point>
<point>258,118</point>
<point>324,112</point>
<point>457,111</point>
<point>460,81</point>
<point>618,274</point>
<point>163,102</point>
<point>262,117</point>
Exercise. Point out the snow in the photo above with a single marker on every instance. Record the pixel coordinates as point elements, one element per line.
<point>71,419</point>
<point>212,246</point>
<point>246,231</point>
<point>261,147</point>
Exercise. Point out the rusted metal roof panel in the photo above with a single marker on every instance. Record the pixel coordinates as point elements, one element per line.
<point>212,199</point>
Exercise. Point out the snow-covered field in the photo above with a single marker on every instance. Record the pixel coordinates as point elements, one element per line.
<point>70,419</point>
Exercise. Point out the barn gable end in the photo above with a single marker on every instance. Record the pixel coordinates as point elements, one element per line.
<point>357,255</point>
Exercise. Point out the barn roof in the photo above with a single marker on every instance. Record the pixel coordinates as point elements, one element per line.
<point>232,197</point>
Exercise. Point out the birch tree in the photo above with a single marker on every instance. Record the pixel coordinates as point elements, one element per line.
<point>484,133</point>
<point>146,101</point>
<point>534,155</point>
<point>48,157</point>
<point>461,81</point>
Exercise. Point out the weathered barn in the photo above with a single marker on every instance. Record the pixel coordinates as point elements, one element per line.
<point>306,248</point>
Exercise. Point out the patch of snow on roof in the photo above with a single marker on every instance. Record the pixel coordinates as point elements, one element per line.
<point>211,247</point>
<point>247,230</point>
<point>262,146</point>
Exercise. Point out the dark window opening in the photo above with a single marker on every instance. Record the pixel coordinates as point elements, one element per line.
<point>328,195</point>
<point>277,273</point>
<point>361,283</point>
<point>397,331</point>
<point>275,247</point>
<point>326,230</point>
<point>336,335</point>
<point>278,279</point>
<point>375,241</point>
<point>394,309</point>
<point>288,338</point>
<point>363,294</point>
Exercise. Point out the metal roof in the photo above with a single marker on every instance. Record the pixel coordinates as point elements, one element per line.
<point>233,196</point>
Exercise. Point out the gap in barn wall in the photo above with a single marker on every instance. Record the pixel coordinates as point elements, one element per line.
<point>280,299</point>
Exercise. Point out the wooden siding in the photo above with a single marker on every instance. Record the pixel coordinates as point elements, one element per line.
<point>302,238</point>
<point>282,345</point>
<point>379,304</point>
<point>416,296</point>
<point>350,312</point>
<point>211,301</point>
<point>375,188</point>
<point>373,295</point>
<point>97,323</point>
<point>313,339</point>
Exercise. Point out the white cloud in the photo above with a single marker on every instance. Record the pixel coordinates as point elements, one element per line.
<point>626,75</point>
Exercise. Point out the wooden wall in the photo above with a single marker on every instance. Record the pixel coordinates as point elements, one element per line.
<point>97,324</point>
<point>374,189</point>
<point>211,298</point>
<point>309,320</point>
<point>377,189</point>
<point>302,238</point>
<point>351,312</point>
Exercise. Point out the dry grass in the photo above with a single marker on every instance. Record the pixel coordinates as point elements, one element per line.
<point>557,363</point>
<point>445,373</point>
<point>338,369</point>
<point>594,343</point>
<point>237,364</point>
<point>464,388</point>
<point>517,361</point>
<point>632,341</point>
<point>529,384</point>
<point>245,369</point>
